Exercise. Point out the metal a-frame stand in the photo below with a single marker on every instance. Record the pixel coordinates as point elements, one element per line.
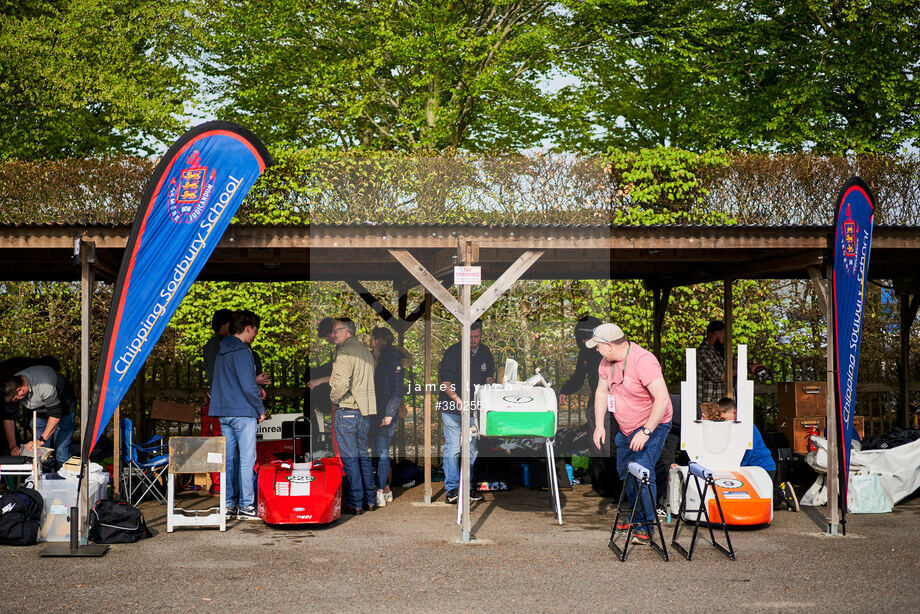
<point>696,473</point>
<point>639,476</point>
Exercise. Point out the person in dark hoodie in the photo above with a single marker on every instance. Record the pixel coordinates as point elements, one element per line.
<point>236,401</point>
<point>389,382</point>
<point>604,479</point>
<point>210,427</point>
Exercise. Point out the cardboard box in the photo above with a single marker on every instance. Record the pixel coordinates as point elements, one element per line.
<point>801,399</point>
<point>796,430</point>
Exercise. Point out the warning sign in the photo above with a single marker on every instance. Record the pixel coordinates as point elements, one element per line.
<point>467,275</point>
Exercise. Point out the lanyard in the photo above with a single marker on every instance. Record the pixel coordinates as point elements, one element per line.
<point>623,374</point>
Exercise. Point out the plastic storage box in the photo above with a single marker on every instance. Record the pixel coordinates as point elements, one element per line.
<point>516,410</point>
<point>59,496</point>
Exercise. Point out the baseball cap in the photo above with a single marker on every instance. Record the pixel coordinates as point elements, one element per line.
<point>605,333</point>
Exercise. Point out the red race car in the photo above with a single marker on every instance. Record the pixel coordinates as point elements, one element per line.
<point>304,492</point>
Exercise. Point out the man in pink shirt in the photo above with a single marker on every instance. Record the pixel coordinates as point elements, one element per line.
<point>632,388</point>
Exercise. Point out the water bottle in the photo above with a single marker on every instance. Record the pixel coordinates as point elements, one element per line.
<point>525,474</point>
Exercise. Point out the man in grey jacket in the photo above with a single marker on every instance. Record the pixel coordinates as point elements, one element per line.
<point>236,400</point>
<point>46,391</point>
<point>353,401</point>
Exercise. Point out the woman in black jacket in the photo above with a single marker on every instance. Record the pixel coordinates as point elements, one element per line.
<point>389,375</point>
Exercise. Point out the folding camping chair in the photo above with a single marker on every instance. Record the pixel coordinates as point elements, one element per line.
<point>144,465</point>
<point>640,479</point>
<point>696,473</point>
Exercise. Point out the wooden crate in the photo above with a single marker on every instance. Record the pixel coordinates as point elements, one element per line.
<point>798,399</point>
<point>796,429</point>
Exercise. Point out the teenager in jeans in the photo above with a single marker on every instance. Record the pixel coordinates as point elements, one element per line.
<point>482,371</point>
<point>236,401</point>
<point>389,385</point>
<point>631,387</point>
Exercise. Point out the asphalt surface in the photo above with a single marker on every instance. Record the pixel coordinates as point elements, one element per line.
<point>406,557</point>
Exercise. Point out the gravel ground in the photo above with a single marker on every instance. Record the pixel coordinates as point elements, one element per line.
<point>406,557</point>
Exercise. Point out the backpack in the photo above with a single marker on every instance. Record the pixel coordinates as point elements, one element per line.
<point>20,517</point>
<point>113,522</point>
<point>406,474</point>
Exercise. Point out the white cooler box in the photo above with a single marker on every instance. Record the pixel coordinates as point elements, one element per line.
<point>516,409</point>
<point>59,496</point>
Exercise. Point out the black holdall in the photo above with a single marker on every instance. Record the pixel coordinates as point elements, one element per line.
<point>117,523</point>
<point>20,517</point>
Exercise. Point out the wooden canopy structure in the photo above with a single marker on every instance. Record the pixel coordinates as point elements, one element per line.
<point>663,257</point>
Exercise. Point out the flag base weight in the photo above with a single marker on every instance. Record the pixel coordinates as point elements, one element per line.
<point>73,547</point>
<point>93,550</point>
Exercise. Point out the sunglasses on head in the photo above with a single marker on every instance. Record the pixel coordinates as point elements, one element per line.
<point>604,339</point>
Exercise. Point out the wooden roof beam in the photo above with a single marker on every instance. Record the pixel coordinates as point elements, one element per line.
<point>762,267</point>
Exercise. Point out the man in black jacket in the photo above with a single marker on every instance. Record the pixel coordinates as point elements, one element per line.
<point>482,372</point>
<point>603,460</point>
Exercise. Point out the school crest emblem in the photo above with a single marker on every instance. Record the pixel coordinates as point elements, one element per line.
<point>188,197</point>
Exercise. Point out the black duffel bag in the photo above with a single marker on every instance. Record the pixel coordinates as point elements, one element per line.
<point>113,522</point>
<point>20,517</point>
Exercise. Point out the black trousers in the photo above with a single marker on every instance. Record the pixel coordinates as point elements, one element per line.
<point>604,477</point>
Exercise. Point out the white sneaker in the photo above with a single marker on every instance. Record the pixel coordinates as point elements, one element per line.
<point>381,499</point>
<point>388,496</point>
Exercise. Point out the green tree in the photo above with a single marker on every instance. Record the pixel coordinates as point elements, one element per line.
<point>388,75</point>
<point>820,75</point>
<point>90,77</point>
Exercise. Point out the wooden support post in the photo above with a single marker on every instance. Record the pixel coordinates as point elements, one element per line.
<point>116,457</point>
<point>427,389</point>
<point>729,361</point>
<point>465,434</point>
<point>87,257</point>
<point>401,424</point>
<point>466,314</point>
<point>817,282</point>
<point>503,283</point>
<point>429,281</point>
<point>401,322</point>
<point>822,290</point>
<point>660,306</point>
<point>909,305</point>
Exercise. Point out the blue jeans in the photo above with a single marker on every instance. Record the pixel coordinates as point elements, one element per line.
<point>61,439</point>
<point>452,444</point>
<point>382,454</point>
<point>351,429</point>
<point>240,433</point>
<point>647,457</point>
